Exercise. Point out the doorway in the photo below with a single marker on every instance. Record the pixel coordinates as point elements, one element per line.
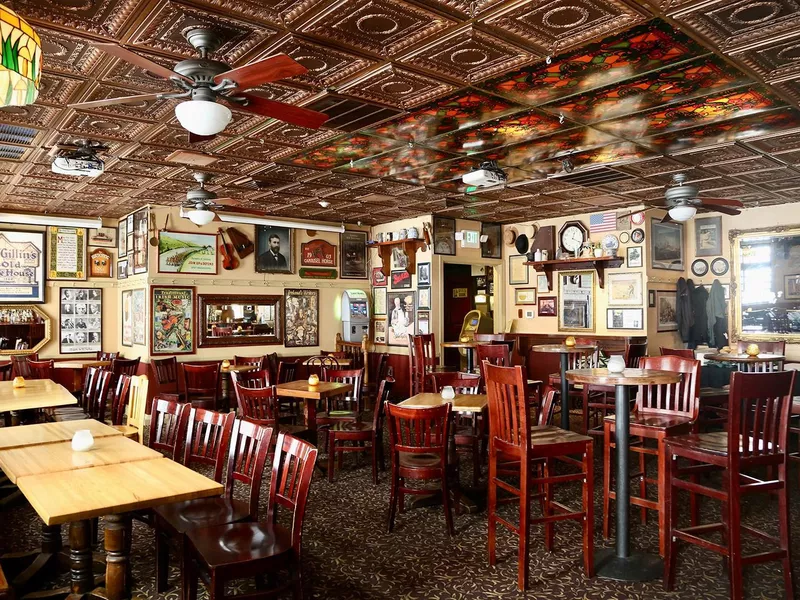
<point>466,287</point>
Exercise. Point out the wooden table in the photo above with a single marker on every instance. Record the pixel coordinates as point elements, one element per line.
<point>51,433</point>
<point>225,372</point>
<point>463,403</point>
<point>621,564</point>
<point>343,362</point>
<point>78,367</point>
<point>37,394</point>
<point>468,348</point>
<point>564,351</point>
<point>311,394</point>
<point>751,364</point>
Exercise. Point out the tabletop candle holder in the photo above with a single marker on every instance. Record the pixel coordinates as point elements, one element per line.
<point>226,364</point>
<point>82,441</point>
<point>448,393</point>
<point>313,380</point>
<point>19,382</point>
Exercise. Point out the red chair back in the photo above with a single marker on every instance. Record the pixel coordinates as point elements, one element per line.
<point>258,404</point>
<point>106,356</point>
<point>764,347</point>
<point>287,371</point>
<point>424,358</point>
<point>7,371</point>
<point>246,460</point>
<point>260,362</point>
<point>682,398</point>
<point>419,431</point>
<point>252,379</point>
<point>682,352</point>
<point>125,366</point>
<point>166,371</point>
<point>634,353</point>
<point>119,400</point>
<point>207,438</point>
<point>496,354</point>
<point>462,383</point>
<point>355,377</point>
<point>201,382</point>
<point>509,419</point>
<point>40,369</point>
<point>20,362</point>
<point>384,391</point>
<point>96,383</point>
<point>168,424</point>
<point>272,365</point>
<point>382,369</point>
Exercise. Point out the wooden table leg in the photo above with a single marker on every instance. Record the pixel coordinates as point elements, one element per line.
<point>310,415</point>
<point>117,544</point>
<point>23,569</point>
<point>80,556</point>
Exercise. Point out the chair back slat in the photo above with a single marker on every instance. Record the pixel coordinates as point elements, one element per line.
<point>419,430</point>
<point>635,351</point>
<point>260,362</point>
<point>317,364</point>
<point>106,356</point>
<point>40,369</point>
<point>509,418</point>
<point>207,438</point>
<point>351,376</point>
<point>414,386</point>
<point>425,358</point>
<point>201,382</point>
<point>137,404</point>
<point>382,369</point>
<point>166,371</point>
<point>21,367</point>
<point>96,383</point>
<point>682,352</point>
<point>119,399</point>
<point>462,383</point>
<point>272,365</point>
<point>251,380</point>
<point>168,424</point>
<point>378,413</point>
<point>681,398</point>
<point>258,404</point>
<point>124,366</point>
<point>548,408</point>
<point>7,371</point>
<point>496,354</point>
<point>287,371</point>
<point>250,444</point>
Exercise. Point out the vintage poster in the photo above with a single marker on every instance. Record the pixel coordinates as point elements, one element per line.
<point>80,320</point>
<point>379,301</point>
<point>105,237</point>
<point>191,253</point>
<point>318,253</point>
<point>140,241</point>
<point>354,254</point>
<point>301,318</point>
<point>122,237</point>
<point>401,318</point>
<point>139,312</point>
<point>172,320</point>
<point>379,328</point>
<point>22,268</point>
<point>66,253</point>
<point>127,318</point>
<point>129,234</point>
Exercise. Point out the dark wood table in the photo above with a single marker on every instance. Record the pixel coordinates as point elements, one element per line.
<point>564,351</point>
<point>468,348</point>
<point>311,394</point>
<point>621,564</point>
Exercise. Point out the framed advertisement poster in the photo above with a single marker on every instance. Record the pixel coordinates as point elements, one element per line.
<point>22,280</point>
<point>318,253</point>
<point>301,318</point>
<point>401,319</point>
<point>140,240</point>
<point>444,236</point>
<point>354,254</point>
<point>191,253</point>
<point>378,278</point>
<point>80,320</point>
<point>66,253</point>
<point>129,234</point>
<point>122,237</point>
<point>493,246</point>
<point>100,262</point>
<point>127,318</point>
<point>139,317</point>
<point>379,328</point>
<point>172,320</point>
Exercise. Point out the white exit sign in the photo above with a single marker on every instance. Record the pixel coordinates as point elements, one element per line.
<point>469,238</point>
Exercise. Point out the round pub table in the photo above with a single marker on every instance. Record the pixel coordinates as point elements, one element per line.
<point>751,364</point>
<point>621,564</point>
<point>564,351</point>
<point>468,348</point>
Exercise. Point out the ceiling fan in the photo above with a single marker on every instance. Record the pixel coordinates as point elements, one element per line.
<point>201,203</point>
<point>682,202</point>
<point>203,81</point>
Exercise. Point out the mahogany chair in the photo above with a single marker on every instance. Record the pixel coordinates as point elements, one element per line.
<point>425,360</point>
<point>168,425</point>
<point>221,331</point>
<point>317,364</point>
<point>20,364</point>
<point>512,440</point>
<point>124,366</point>
<point>246,462</point>
<point>137,406</point>
<point>96,384</point>
<point>794,429</point>
<point>262,548</point>
<point>201,382</point>
<point>287,371</point>
<point>7,371</point>
<point>119,399</point>
<point>252,379</point>
<point>682,352</point>
<point>420,450</point>
<point>166,373</point>
<point>588,359</point>
<point>361,432</point>
<point>40,369</point>
<point>260,405</point>
<point>272,365</point>
<point>347,407</point>
<point>335,354</point>
<point>106,356</point>
<point>661,411</point>
<point>260,362</point>
<point>496,354</point>
<point>208,435</point>
<point>765,347</point>
<point>755,442</point>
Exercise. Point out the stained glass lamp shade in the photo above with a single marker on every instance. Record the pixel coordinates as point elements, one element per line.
<point>20,60</point>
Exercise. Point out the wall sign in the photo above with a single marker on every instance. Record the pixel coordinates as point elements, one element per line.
<point>66,252</point>
<point>80,320</point>
<point>104,237</point>
<point>301,318</point>
<point>318,253</point>
<point>318,273</point>
<point>460,292</point>
<point>353,246</point>
<point>100,262</point>
<point>378,278</point>
<point>194,253</point>
<point>22,263</point>
<point>401,280</point>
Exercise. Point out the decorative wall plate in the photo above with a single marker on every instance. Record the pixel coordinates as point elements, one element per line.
<point>624,237</point>
<point>699,267</point>
<point>719,266</point>
<point>637,218</point>
<point>637,236</point>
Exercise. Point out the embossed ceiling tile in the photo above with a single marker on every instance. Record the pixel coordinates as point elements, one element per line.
<point>776,61</point>
<point>720,155</point>
<point>753,165</point>
<point>777,144</point>
<point>124,74</point>
<point>179,137</point>
<point>57,185</point>
<point>32,115</point>
<point>251,149</point>
<point>103,18</point>
<point>123,180</point>
<point>443,171</point>
<point>33,192</point>
<point>396,87</point>
<point>286,173</point>
<point>58,89</point>
<point>504,193</point>
<point>655,166</point>
<point>132,167</point>
<point>325,65</point>
<point>34,171</point>
<point>558,25</point>
<point>149,153</point>
<point>281,92</point>
<point>386,187</point>
<point>341,180</point>
<point>147,110</point>
<point>422,195</point>
<point>92,125</point>
<point>349,195</point>
<point>395,161</point>
<point>159,195</point>
<point>287,134</point>
<point>311,189</point>
<point>469,54</point>
<point>113,146</point>
<point>791,157</point>
<point>782,172</point>
<point>790,89</point>
<point>276,12</point>
<point>630,186</point>
<point>782,185</point>
<point>90,189</point>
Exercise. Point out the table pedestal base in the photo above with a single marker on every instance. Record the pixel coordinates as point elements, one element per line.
<point>636,567</point>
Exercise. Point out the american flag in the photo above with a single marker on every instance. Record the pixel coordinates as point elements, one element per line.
<point>603,222</point>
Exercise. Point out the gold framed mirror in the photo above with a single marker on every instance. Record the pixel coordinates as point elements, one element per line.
<point>24,329</point>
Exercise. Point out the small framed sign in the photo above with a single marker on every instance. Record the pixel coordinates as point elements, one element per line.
<point>80,320</point>
<point>401,280</point>
<point>378,278</point>
<point>318,253</point>
<point>66,253</point>
<point>104,237</point>
<point>100,262</point>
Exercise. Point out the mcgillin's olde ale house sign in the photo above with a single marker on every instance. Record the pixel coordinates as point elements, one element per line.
<point>22,266</point>
<point>318,253</point>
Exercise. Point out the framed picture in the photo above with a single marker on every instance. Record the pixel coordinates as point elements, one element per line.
<point>651,298</point>
<point>444,236</point>
<point>378,278</point>
<point>424,298</point>
<point>103,237</point>
<point>379,331</point>
<point>399,259</point>
<point>190,253</point>
<point>122,237</point>
<point>379,301</point>
<point>127,318</point>
<point>576,301</point>
<point>66,253</point>
<point>25,282</point>
<point>791,287</point>
<point>542,286</point>
<point>493,246</point>
<point>172,319</point>
<point>726,288</point>
<point>80,320</point>
<point>139,317</point>
<point>547,306</point>
<point>625,289</point>
<point>525,296</point>
<point>401,280</point>
<point>480,282</point>
<point>129,229</point>
<point>666,245</point>
<point>122,269</point>
<point>274,249</point>
<point>624,318</point>
<point>401,318</point>
<point>100,262</point>
<point>301,318</point>
<point>517,270</point>
<point>141,219</point>
<point>666,310</point>
<point>719,266</point>
<point>424,273</point>
<point>708,236</point>
<point>634,258</point>
<point>423,323</point>
<point>530,313</point>
<point>318,253</point>
<point>353,246</point>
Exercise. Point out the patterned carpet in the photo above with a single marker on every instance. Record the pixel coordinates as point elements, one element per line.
<point>349,555</point>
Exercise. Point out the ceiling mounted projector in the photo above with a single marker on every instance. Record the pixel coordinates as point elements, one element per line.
<point>488,175</point>
<point>79,167</point>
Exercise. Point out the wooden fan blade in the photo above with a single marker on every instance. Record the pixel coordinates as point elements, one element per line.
<point>139,61</point>
<point>720,202</point>
<point>194,138</point>
<point>666,219</point>
<point>273,68</point>
<point>112,101</point>
<point>283,112</point>
<point>728,210</point>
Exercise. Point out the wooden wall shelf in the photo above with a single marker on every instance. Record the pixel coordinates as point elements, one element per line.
<point>410,247</point>
<point>577,264</point>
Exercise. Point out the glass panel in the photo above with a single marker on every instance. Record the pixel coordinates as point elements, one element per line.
<point>21,328</point>
<point>576,301</point>
<point>240,320</point>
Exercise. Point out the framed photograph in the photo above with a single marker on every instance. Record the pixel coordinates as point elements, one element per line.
<point>423,323</point>
<point>719,266</point>
<point>25,282</point>
<point>576,301</point>
<point>401,318</point>
<point>100,263</point>
<point>66,253</point>
<point>444,236</point>
<point>80,320</point>
<point>274,249</point>
<point>379,331</point>
<point>651,298</point>
<point>666,245</point>
<point>542,286</point>
<point>530,313</point>
<point>493,246</point>
<point>353,246</point>
<point>127,318</point>
<point>172,320</point>
<point>624,318</point>
<point>708,236</point>
<point>517,270</point>
<point>139,317</point>
<point>129,235</point>
<point>190,253</point>
<point>791,287</point>
<point>480,282</point>
<point>547,306</point>
<point>141,219</point>
<point>399,258</point>
<point>301,318</point>
<point>122,269</point>
<point>122,237</point>
<point>525,296</point>
<point>103,237</point>
<point>379,301</point>
<point>424,273</point>
<point>424,298</point>
<point>726,287</point>
<point>318,253</point>
<point>378,278</point>
<point>625,289</point>
<point>401,280</point>
<point>666,310</point>
<point>634,258</point>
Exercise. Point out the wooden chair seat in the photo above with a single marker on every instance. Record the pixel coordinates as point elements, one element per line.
<point>234,543</point>
<point>180,517</point>
<point>543,435</point>
<point>354,427</point>
<point>128,431</point>
<point>715,443</point>
<point>336,415</point>
<point>417,461</point>
<point>653,421</point>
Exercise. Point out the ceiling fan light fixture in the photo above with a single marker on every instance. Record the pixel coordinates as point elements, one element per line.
<point>200,217</point>
<point>203,117</point>
<point>682,212</point>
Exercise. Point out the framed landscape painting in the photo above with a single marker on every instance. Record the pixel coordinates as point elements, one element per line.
<point>190,253</point>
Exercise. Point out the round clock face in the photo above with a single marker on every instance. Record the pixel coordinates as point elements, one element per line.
<point>572,238</point>
<point>637,236</point>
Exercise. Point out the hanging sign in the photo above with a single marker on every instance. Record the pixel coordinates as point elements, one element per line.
<point>318,253</point>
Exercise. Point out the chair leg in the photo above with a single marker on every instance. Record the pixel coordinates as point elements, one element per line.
<point>588,508</point>
<point>662,511</point>
<point>448,508</point>
<point>216,591</point>
<point>491,508</point>
<point>735,539</point>
<point>296,571</point>
<point>606,479</point>
<point>476,462</point>
<point>162,561</point>
<point>188,577</point>
<point>783,534</point>
<point>643,485</point>
<point>671,512</point>
<point>331,449</point>
<point>524,528</point>
<point>374,452</point>
<point>393,499</point>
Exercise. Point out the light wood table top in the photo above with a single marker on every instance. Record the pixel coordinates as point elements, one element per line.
<point>469,344</point>
<point>562,348</point>
<point>59,457</point>
<point>324,389</point>
<point>80,364</point>
<point>113,489</point>
<point>343,362</point>
<point>626,377</point>
<point>238,369</point>
<point>37,393</point>
<point>51,433</point>
<point>467,403</point>
<point>744,358</point>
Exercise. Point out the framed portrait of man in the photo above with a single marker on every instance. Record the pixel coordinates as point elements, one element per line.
<point>275,249</point>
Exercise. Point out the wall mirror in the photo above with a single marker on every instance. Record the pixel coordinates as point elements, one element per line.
<point>237,320</point>
<point>576,301</point>
<point>765,284</point>
<point>24,328</point>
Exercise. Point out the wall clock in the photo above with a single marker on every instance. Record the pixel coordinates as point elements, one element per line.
<point>719,266</point>
<point>573,235</point>
<point>637,236</point>
<point>699,267</point>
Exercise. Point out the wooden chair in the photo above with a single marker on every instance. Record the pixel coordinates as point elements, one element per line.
<point>168,425</point>
<point>512,440</point>
<point>661,411</point>
<point>201,382</point>
<point>249,379</point>
<point>137,405</point>
<point>260,362</point>
<point>755,442</point>
<point>357,352</point>
<point>7,371</point>
<point>106,356</point>
<point>272,365</point>
<point>96,384</point>
<point>420,450</point>
<point>425,360</point>
<point>40,369</point>
<point>589,359</point>
<point>262,548</point>
<point>216,330</point>
<point>119,399</point>
<point>246,462</point>
<point>166,374</point>
<point>124,366</point>
<point>765,347</point>
<point>260,405</point>
<point>20,364</point>
<point>682,352</point>
<point>207,437</point>
<point>347,407</point>
<point>287,371</point>
<point>496,354</point>
<point>317,364</point>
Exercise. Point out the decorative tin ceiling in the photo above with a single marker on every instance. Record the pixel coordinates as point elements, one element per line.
<point>420,92</point>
